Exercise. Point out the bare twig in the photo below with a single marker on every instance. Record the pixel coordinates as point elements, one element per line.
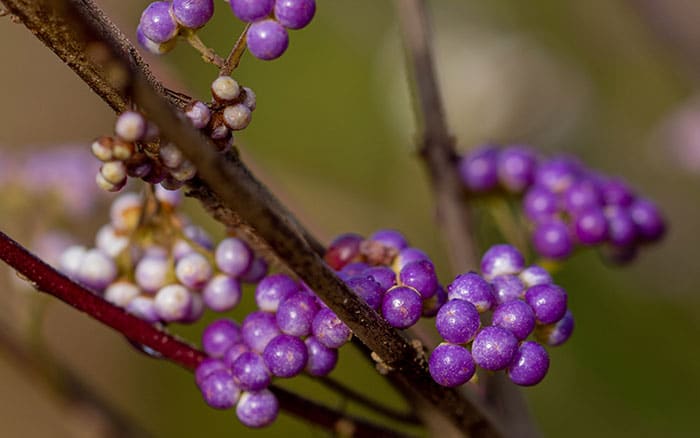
<point>46,279</point>
<point>208,54</point>
<point>234,58</point>
<point>438,152</point>
<point>229,187</point>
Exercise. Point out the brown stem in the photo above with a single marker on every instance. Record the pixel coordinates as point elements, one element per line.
<point>46,279</point>
<point>438,152</point>
<point>234,58</point>
<point>208,54</point>
<point>229,187</point>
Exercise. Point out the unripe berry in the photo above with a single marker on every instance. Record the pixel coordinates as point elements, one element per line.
<point>225,89</point>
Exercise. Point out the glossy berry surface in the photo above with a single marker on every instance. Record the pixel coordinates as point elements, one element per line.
<point>219,336</point>
<point>193,13</point>
<point>548,302</point>
<point>257,409</point>
<point>250,372</point>
<point>494,348</point>
<point>451,365</point>
<point>219,390</point>
<point>267,39</point>
<point>420,275</point>
<point>557,333</point>
<point>479,170</point>
<point>473,288</point>
<point>294,14</point>
<point>157,24</point>
<point>329,330</point>
<point>516,316</point>
<point>251,10</point>
<point>501,260</point>
<point>457,321</point>
<point>285,356</point>
<point>530,364</point>
<point>321,359</point>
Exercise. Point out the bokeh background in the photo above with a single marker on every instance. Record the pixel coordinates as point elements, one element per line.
<point>614,82</point>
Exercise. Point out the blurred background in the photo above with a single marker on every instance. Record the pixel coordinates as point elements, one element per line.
<point>614,82</point>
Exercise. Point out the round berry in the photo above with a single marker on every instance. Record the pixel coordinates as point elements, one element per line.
<point>193,13</point>
<point>591,226</point>
<point>151,273</point>
<point>530,364</point>
<point>390,238</point>
<point>206,367</point>
<point>321,359</point>
<point>501,260</point>
<point>251,10</point>
<point>432,305</point>
<point>516,168</point>
<point>219,390</point>
<point>383,275</point>
<point>421,276</point>
<point>474,289</point>
<point>507,288</point>
<point>286,356</point>
<point>557,333</point>
<point>582,195</point>
<point>233,256</point>
<point>516,316</point>
<point>494,348</point>
<point>237,117</point>
<point>558,173</point>
<point>267,39</point>
<point>198,114</point>
<point>615,191</point>
<point>479,169</point>
<point>367,289</point>
<point>552,240</point>
<point>219,336</point>
<point>130,126</point>
<point>402,307</point>
<point>222,293</point>
<point>173,302</point>
<point>296,313</point>
<point>540,204</point>
<point>233,353</point>
<point>329,330</point>
<point>193,271</point>
<point>157,24</point>
<point>622,230</point>
<point>408,255</point>
<point>458,321</point>
<point>143,308</point>
<point>272,290</point>
<point>250,372</point>
<point>225,89</point>
<point>121,293</point>
<point>548,301</point>
<point>342,250</point>
<point>451,365</point>
<point>534,275</point>
<point>295,14</point>
<point>257,409</point>
<point>650,223</point>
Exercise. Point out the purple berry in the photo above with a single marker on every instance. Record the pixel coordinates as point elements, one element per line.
<point>233,256</point>
<point>534,275</point>
<point>530,364</point>
<point>151,273</point>
<point>390,238</point>
<point>367,289</point>
<point>540,204</point>
<point>322,359</point>
<point>144,308</point>
<point>458,321</point>
<point>622,230</point>
<point>383,275</point>
<point>591,226</point>
<point>193,13</point>
<point>581,196</point>
<point>501,260</point>
<point>173,302</point>
<point>479,169</point>
<point>267,39</point>
<point>219,390</point>
<point>451,365</point>
<point>516,168</point>
<point>354,269</point>
<point>516,316</point>
<point>258,329</point>
<point>206,367</point>
<point>256,272</point>
<point>494,348</point>
<point>251,10</point>
<point>558,174</point>
<point>647,217</point>
<point>295,14</point>
<point>557,333</point>
<point>615,191</point>
<point>507,288</point>
<point>421,276</point>
<point>548,301</point>
<point>257,409</point>
<point>97,270</point>
<point>408,255</point>
<point>272,290</point>
<point>329,330</point>
<point>342,250</point>
<point>296,313</point>
<point>222,293</point>
<point>402,306</point>
<point>552,240</point>
<point>157,24</point>
<point>250,372</point>
<point>286,356</point>
<point>219,336</point>
<point>474,289</point>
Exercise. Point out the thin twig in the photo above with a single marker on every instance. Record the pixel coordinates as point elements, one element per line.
<point>439,155</point>
<point>46,279</point>
<point>66,386</point>
<point>234,57</point>
<point>362,399</point>
<point>229,187</point>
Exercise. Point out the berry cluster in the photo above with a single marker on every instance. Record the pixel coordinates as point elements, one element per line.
<point>161,22</point>
<point>523,301</point>
<point>137,151</point>
<point>565,203</point>
<point>150,260</point>
<point>267,36</point>
<point>291,332</point>
<point>396,280</point>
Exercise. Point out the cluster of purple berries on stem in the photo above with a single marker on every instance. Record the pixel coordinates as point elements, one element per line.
<point>523,301</point>
<point>267,36</point>
<point>162,21</point>
<point>565,203</point>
